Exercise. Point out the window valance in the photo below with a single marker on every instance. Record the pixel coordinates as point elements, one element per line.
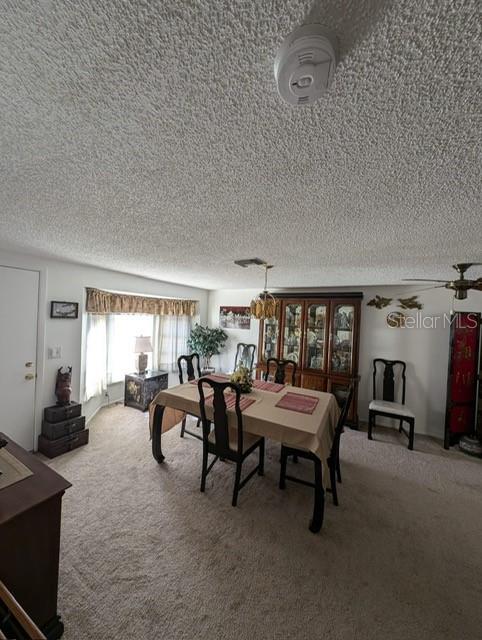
<point>99,301</point>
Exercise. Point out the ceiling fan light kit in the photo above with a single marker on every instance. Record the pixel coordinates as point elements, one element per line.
<point>265,304</point>
<point>305,64</point>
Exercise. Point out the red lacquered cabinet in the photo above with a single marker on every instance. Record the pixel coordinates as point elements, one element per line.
<point>463,375</point>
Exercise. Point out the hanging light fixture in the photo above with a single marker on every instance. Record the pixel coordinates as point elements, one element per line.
<point>265,304</point>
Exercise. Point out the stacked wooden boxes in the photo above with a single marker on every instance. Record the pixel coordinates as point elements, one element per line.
<point>63,429</point>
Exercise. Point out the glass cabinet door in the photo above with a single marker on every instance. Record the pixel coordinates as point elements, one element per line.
<point>292,332</point>
<point>315,336</point>
<point>270,338</point>
<point>342,338</point>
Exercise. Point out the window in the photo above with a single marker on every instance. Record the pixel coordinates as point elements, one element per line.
<point>122,330</point>
<point>110,341</point>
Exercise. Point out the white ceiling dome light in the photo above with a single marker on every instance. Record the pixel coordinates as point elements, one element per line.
<point>305,64</point>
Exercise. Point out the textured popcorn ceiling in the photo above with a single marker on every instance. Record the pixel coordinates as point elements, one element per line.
<point>149,137</point>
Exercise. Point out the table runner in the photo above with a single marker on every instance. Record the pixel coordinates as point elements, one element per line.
<point>298,402</point>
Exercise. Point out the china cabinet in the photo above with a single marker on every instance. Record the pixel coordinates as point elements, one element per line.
<point>320,332</point>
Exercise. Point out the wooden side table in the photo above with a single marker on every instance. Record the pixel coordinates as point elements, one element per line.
<point>141,389</point>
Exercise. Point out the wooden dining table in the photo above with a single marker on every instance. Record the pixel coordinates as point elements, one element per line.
<point>311,431</point>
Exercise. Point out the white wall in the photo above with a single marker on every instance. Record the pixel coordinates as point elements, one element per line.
<point>67,281</point>
<point>425,350</point>
<point>232,298</point>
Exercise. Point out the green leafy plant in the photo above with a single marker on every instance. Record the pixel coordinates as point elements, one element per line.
<point>242,377</point>
<point>207,342</point>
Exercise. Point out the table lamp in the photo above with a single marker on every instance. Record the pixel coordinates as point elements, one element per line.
<point>143,347</point>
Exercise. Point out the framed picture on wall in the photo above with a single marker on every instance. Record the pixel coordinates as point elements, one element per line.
<point>234,318</point>
<point>67,310</point>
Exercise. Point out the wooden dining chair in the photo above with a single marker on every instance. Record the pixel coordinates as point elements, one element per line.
<point>280,370</point>
<point>333,462</point>
<point>191,364</point>
<point>224,442</point>
<point>244,355</point>
<point>387,406</point>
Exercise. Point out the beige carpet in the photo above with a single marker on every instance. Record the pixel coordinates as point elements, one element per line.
<point>146,555</point>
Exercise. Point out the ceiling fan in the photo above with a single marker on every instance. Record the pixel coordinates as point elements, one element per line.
<point>459,286</point>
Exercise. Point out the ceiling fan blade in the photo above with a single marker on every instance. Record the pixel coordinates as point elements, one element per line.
<point>477,286</point>
<point>437,286</point>
<point>466,265</point>
<point>421,280</point>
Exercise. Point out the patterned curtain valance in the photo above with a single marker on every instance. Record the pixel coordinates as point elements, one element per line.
<point>99,301</point>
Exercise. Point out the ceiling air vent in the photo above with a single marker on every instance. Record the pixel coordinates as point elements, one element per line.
<point>248,261</point>
<point>305,64</point>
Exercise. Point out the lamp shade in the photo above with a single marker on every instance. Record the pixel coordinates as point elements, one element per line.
<point>143,344</point>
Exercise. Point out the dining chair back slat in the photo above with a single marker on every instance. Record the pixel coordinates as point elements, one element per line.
<point>280,370</point>
<point>192,367</point>
<point>388,384</point>
<point>220,416</point>
<point>191,363</point>
<point>244,355</point>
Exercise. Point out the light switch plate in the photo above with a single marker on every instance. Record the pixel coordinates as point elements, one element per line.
<point>54,353</point>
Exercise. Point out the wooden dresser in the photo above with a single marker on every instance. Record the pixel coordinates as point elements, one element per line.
<point>30,538</point>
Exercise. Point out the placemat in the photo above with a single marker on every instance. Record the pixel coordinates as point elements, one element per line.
<point>230,400</point>
<point>297,402</point>
<point>12,469</point>
<point>262,385</point>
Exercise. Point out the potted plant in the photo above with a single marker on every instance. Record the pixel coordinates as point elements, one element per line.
<point>206,342</point>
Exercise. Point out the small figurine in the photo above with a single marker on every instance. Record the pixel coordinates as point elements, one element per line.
<point>410,303</point>
<point>63,386</point>
<point>379,302</point>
